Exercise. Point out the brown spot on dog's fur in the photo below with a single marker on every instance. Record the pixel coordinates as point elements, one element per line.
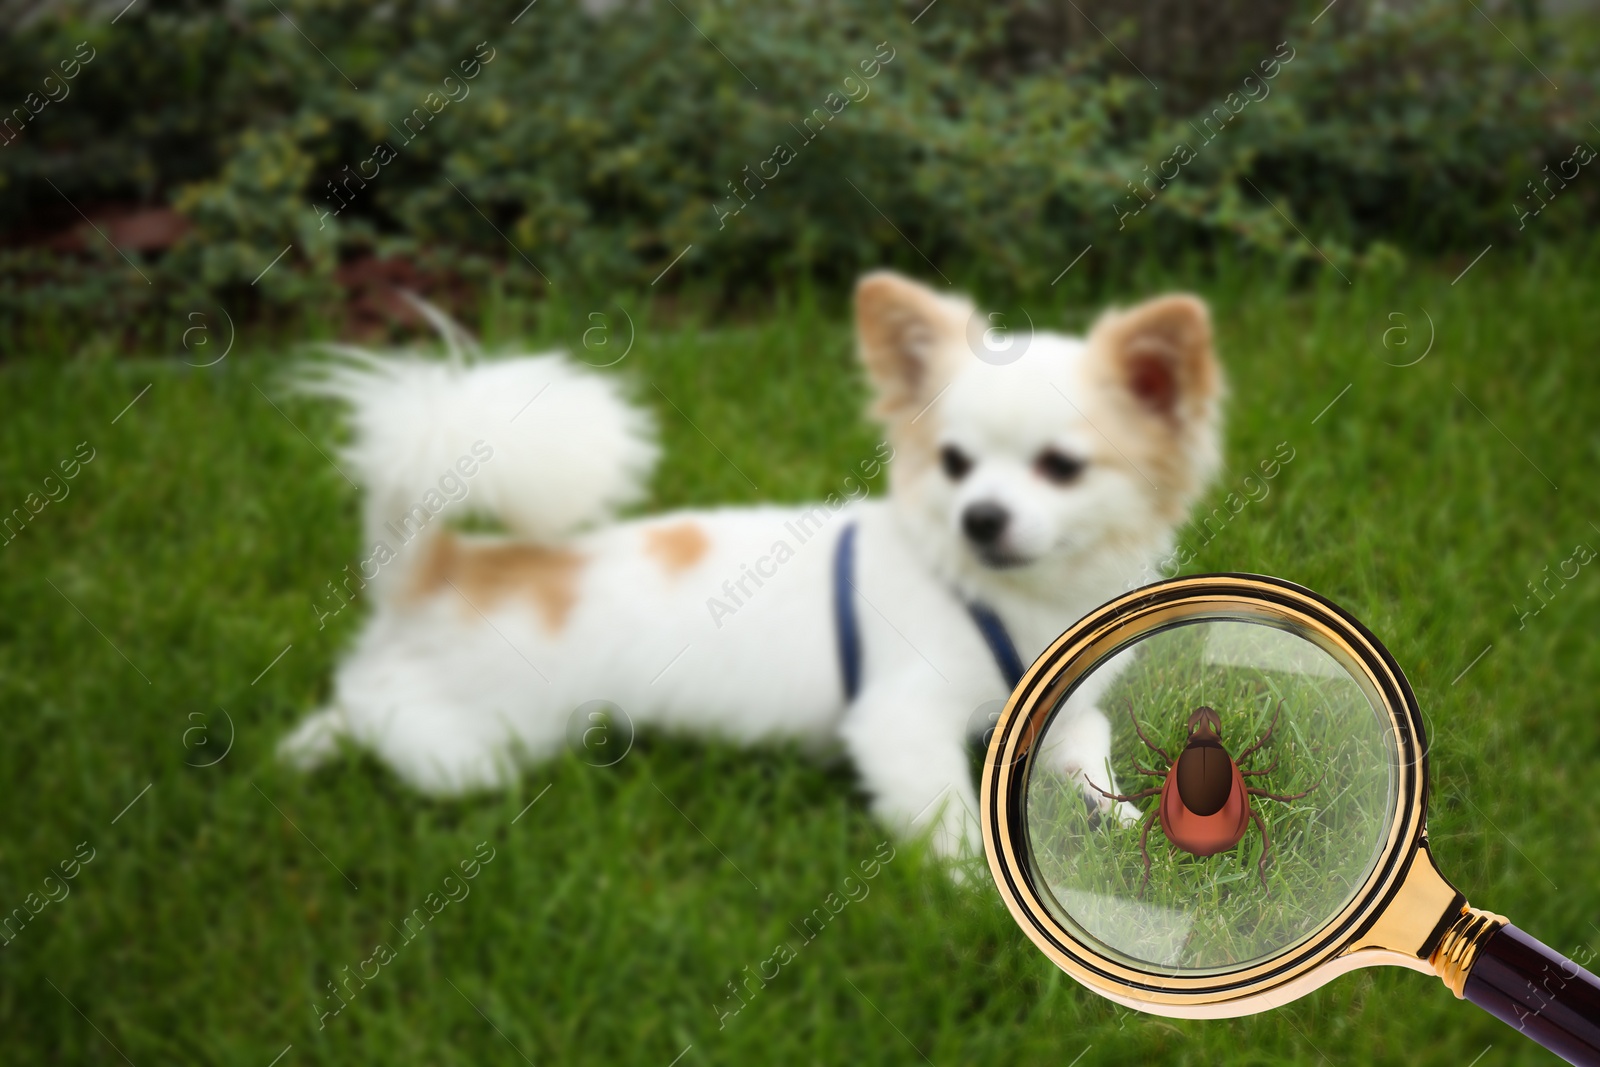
<point>676,547</point>
<point>487,573</point>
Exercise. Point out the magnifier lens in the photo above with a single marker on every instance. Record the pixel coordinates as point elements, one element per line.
<point>1235,876</point>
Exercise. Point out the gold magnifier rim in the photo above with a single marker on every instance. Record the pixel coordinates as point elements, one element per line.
<point>1298,968</point>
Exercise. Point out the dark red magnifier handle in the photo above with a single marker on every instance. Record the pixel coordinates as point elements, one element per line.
<point>1530,986</point>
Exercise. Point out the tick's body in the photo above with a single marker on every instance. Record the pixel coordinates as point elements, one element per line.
<point>1205,804</point>
<point>1204,808</point>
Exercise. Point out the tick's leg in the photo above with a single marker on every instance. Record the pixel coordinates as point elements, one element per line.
<point>1124,799</point>
<point>1264,770</point>
<point>1144,847</point>
<point>1263,738</point>
<point>1146,770</point>
<point>1253,791</point>
<point>1151,745</point>
<point>1266,847</point>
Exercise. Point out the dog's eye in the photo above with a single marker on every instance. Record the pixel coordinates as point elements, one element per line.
<point>1058,467</point>
<point>955,462</point>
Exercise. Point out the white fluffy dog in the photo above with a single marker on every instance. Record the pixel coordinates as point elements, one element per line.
<point>1020,497</point>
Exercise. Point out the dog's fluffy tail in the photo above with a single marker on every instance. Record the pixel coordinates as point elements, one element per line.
<point>533,443</point>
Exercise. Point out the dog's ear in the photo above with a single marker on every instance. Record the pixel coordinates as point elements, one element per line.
<point>1160,354</point>
<point>911,340</point>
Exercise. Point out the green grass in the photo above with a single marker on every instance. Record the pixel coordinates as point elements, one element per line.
<point>611,921</point>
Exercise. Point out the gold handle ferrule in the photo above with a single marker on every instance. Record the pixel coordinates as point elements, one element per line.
<point>1458,948</point>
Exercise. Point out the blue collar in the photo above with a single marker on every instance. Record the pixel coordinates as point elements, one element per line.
<point>848,629</point>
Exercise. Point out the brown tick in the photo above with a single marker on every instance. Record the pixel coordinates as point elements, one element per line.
<point>1205,803</point>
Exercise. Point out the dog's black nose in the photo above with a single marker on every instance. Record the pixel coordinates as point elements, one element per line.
<point>984,523</point>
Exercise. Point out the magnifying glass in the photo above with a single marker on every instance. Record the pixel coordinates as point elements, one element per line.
<point>1267,831</point>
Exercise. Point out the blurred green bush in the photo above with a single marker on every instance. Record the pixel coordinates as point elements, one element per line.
<point>587,151</point>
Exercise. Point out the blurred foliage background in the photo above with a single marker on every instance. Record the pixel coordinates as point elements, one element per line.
<point>600,140</point>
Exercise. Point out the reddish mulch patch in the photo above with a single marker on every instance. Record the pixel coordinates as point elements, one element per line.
<point>374,302</point>
<point>374,309</point>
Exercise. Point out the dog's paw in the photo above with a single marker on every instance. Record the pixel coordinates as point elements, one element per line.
<point>1121,812</point>
<point>1079,747</point>
<point>1103,811</point>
